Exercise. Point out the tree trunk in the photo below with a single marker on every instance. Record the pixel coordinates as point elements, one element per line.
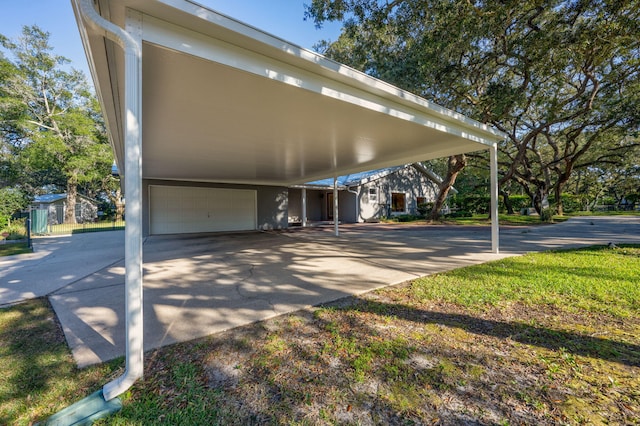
<point>558,195</point>
<point>454,166</point>
<point>72,195</point>
<point>119,205</point>
<point>507,202</point>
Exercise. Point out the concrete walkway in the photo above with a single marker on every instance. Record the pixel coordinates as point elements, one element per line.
<point>199,285</point>
<point>57,262</point>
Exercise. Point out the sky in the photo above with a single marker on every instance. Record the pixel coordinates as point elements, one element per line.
<point>282,18</point>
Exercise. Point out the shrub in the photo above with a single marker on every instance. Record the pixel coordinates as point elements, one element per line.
<point>571,203</point>
<point>460,213</point>
<point>546,215</point>
<point>11,201</point>
<point>519,202</point>
<point>424,208</point>
<point>406,218</point>
<point>17,230</point>
<point>473,203</point>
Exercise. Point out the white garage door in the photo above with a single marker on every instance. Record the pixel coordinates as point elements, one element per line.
<point>179,209</point>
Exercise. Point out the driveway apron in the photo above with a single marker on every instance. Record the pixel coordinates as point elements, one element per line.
<point>202,284</point>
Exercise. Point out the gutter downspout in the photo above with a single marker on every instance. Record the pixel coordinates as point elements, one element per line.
<point>131,42</point>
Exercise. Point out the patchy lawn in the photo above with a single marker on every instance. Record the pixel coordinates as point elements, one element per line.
<point>39,376</point>
<point>544,339</point>
<point>10,249</point>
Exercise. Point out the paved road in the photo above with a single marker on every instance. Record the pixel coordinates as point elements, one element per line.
<point>202,284</point>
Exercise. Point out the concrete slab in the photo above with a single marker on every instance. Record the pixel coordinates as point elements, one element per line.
<point>56,262</point>
<point>198,285</point>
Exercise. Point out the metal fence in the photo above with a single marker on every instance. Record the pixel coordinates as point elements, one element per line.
<point>49,220</point>
<point>76,228</point>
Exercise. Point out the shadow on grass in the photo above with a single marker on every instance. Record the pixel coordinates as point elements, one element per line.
<point>34,353</point>
<point>577,344</point>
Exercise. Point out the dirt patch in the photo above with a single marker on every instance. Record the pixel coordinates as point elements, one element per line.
<point>383,359</point>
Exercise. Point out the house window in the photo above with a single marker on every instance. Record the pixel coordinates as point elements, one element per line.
<point>373,195</point>
<point>421,200</point>
<point>398,202</point>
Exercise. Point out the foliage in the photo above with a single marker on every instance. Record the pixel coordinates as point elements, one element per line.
<point>560,77</point>
<point>11,201</point>
<point>519,202</point>
<point>424,208</point>
<point>471,203</point>
<point>58,138</point>
<point>17,230</point>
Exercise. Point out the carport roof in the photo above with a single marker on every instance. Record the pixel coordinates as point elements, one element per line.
<point>225,102</point>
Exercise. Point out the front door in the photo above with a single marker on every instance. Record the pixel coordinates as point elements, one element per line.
<point>330,206</point>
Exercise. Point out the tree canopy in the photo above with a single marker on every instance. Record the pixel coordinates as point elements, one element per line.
<point>51,127</point>
<point>559,77</point>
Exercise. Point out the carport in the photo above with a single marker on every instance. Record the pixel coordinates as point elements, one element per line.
<point>190,95</point>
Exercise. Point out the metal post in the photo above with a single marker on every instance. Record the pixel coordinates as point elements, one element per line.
<point>29,232</point>
<point>335,206</point>
<point>495,232</point>
<point>304,207</point>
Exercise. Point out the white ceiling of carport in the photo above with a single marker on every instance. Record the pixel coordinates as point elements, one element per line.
<point>224,102</point>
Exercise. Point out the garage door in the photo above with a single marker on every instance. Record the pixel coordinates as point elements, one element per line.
<point>178,209</point>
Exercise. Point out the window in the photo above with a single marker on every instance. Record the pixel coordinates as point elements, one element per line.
<point>373,195</point>
<point>398,202</point>
<point>421,200</point>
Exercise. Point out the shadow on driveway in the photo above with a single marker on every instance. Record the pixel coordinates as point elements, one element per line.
<point>202,284</point>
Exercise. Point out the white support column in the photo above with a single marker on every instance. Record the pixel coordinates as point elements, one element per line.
<point>131,42</point>
<point>495,231</point>
<point>304,207</point>
<point>335,206</point>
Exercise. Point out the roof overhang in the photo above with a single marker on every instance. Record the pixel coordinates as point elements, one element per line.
<point>226,102</point>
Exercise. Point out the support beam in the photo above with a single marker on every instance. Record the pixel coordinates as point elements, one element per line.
<point>495,232</point>
<point>131,42</point>
<point>335,206</point>
<point>304,207</point>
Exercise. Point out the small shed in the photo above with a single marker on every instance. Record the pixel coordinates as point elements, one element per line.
<point>86,209</point>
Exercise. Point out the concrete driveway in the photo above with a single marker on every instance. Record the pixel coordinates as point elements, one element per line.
<point>202,284</point>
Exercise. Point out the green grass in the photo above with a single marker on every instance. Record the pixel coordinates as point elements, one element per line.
<point>482,219</point>
<point>596,279</point>
<point>504,219</point>
<point>548,338</point>
<point>39,374</point>
<point>14,248</point>
<point>606,213</point>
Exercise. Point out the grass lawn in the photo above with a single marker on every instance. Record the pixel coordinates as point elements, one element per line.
<point>14,248</point>
<point>545,339</point>
<point>504,219</point>
<point>483,219</point>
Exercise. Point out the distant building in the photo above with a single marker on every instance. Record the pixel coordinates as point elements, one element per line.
<point>86,209</point>
<point>367,196</point>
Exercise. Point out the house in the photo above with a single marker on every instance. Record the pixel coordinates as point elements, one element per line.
<point>212,121</point>
<point>86,209</point>
<point>366,196</point>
